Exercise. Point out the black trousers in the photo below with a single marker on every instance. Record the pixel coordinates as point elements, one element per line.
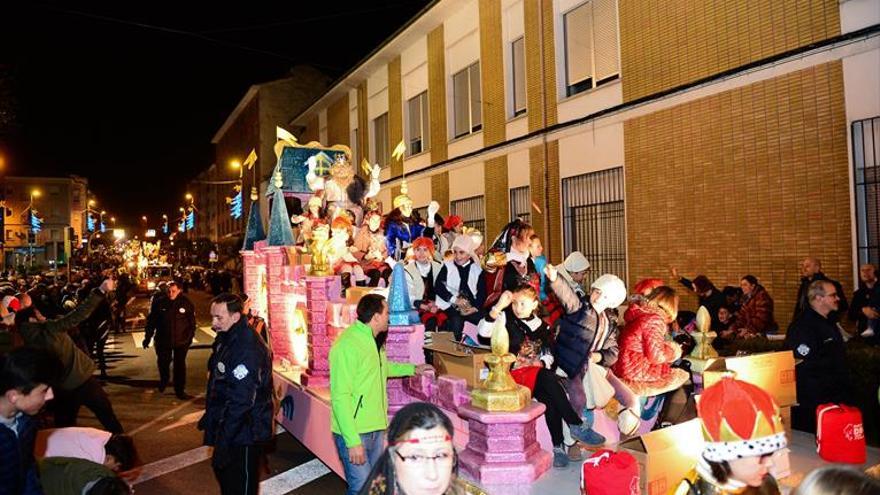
<point>91,395</point>
<point>237,469</point>
<point>455,321</point>
<point>164,356</point>
<point>549,391</point>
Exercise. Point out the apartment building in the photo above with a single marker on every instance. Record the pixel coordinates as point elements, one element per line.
<point>720,137</point>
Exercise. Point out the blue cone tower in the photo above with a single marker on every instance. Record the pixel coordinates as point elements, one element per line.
<point>400,310</point>
<point>280,233</point>
<point>254,230</point>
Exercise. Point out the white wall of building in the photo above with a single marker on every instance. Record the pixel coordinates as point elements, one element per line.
<point>597,148</point>
<point>518,168</point>
<point>467,181</point>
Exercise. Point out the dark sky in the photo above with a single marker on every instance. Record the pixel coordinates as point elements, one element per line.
<point>129,94</point>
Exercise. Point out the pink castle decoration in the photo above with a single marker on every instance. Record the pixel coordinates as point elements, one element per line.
<point>321,292</point>
<point>403,345</point>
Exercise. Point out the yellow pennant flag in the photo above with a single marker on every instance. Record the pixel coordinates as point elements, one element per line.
<point>282,135</point>
<point>399,150</point>
<point>365,166</point>
<point>251,159</point>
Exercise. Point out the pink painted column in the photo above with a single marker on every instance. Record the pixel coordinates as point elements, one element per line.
<point>503,447</point>
<point>403,345</point>
<point>279,316</point>
<point>320,292</point>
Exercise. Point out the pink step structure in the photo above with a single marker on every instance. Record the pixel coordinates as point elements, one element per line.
<point>321,292</point>
<point>503,447</point>
<point>403,345</point>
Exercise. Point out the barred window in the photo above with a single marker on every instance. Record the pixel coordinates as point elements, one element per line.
<point>593,220</point>
<point>380,137</point>
<point>471,211</point>
<point>866,162</point>
<point>518,76</point>
<point>418,126</point>
<point>520,203</point>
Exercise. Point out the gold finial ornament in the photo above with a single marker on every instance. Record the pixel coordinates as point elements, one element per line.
<point>279,179</point>
<point>499,392</point>
<point>402,199</point>
<point>319,249</point>
<point>254,194</point>
<point>704,337</point>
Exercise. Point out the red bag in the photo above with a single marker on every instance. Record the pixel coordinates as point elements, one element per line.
<point>840,434</point>
<point>610,473</point>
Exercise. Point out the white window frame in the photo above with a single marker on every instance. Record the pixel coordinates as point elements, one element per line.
<point>518,108</point>
<point>418,130</point>
<point>474,112</point>
<point>606,11</point>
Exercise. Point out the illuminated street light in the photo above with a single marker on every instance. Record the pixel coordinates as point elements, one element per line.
<point>189,197</point>
<point>144,218</point>
<point>91,202</point>
<point>235,164</point>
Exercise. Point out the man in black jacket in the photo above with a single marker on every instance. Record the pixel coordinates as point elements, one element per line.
<point>172,320</point>
<point>238,418</point>
<point>816,341</point>
<point>811,270</point>
<point>865,308</point>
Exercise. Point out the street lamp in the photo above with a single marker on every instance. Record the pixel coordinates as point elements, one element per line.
<point>35,193</point>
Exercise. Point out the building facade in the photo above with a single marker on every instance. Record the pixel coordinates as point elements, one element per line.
<point>60,202</point>
<point>251,126</point>
<point>720,137</point>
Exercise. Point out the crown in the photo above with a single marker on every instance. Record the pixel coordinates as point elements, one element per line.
<point>402,198</point>
<point>734,410</point>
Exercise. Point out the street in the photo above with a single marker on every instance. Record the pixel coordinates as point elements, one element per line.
<point>164,428</point>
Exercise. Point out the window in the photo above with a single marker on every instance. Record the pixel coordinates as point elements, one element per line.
<point>468,116</point>
<point>593,220</point>
<point>471,211</point>
<point>590,45</point>
<point>417,128</point>
<point>518,76</point>
<point>520,204</point>
<point>866,161</point>
<point>380,135</point>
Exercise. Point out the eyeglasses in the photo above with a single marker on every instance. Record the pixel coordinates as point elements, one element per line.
<point>833,295</point>
<point>441,458</point>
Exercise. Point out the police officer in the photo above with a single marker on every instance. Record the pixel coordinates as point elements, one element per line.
<point>173,321</point>
<point>238,418</point>
<point>821,372</point>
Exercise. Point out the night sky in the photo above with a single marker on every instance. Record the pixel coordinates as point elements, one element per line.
<point>129,94</point>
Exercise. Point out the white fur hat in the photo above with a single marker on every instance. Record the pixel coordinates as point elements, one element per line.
<point>576,262</point>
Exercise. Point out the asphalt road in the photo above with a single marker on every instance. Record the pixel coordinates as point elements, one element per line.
<point>164,427</point>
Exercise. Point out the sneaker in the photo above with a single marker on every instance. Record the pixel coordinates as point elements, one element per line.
<point>586,435</point>
<point>575,453</point>
<point>560,457</point>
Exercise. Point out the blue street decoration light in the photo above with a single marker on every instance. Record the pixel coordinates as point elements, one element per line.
<point>190,220</point>
<point>235,204</point>
<point>90,223</point>
<point>36,223</point>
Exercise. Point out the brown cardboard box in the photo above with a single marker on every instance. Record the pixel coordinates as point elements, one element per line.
<point>772,371</point>
<point>665,456</point>
<point>451,358</point>
<point>354,294</point>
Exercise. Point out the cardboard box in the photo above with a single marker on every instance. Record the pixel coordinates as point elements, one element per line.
<point>354,294</point>
<point>452,358</point>
<point>772,371</point>
<point>665,456</point>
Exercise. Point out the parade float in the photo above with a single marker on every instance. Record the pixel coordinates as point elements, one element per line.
<point>503,441</point>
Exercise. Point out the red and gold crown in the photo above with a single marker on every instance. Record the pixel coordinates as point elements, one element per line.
<point>739,420</point>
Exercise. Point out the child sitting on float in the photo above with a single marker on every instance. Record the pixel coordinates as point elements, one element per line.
<point>371,249</point>
<point>530,342</point>
<point>646,351</point>
<point>422,271</point>
<point>460,287</point>
<point>340,255</point>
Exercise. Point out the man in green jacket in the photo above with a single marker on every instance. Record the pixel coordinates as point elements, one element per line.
<point>358,397</point>
<point>78,387</point>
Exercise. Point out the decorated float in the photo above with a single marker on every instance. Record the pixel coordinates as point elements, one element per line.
<point>295,277</point>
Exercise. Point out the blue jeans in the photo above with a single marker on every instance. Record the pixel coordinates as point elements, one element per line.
<point>356,475</point>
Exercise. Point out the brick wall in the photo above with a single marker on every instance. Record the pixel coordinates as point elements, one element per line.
<point>541,104</point>
<point>682,42</point>
<point>496,192</point>
<point>363,125</point>
<point>395,114</point>
<point>437,110</point>
<point>337,123</point>
<point>310,133</point>
<point>748,181</point>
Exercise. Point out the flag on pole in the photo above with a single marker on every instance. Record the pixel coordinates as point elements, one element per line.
<point>251,159</point>
<point>399,150</point>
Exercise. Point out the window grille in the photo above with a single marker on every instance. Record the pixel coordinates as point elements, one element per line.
<point>471,211</point>
<point>520,204</point>
<point>866,162</point>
